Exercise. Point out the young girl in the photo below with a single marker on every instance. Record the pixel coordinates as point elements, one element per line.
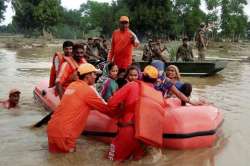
<point>132,74</point>
<point>110,85</point>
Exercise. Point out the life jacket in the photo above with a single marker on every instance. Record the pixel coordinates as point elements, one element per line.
<point>149,116</point>
<point>71,62</point>
<point>53,72</point>
<point>74,65</point>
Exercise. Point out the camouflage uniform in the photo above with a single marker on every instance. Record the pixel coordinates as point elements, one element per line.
<point>201,48</point>
<point>157,53</point>
<point>153,52</point>
<point>185,53</point>
<point>147,53</point>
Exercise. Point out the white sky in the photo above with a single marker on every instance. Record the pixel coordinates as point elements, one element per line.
<point>75,4</point>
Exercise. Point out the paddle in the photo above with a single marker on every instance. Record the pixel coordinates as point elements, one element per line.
<point>43,120</point>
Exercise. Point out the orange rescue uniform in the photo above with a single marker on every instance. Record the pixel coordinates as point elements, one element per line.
<point>139,122</point>
<point>119,149</point>
<point>67,71</point>
<point>69,119</point>
<point>121,48</point>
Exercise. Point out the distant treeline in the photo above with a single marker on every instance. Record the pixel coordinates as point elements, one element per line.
<point>169,19</point>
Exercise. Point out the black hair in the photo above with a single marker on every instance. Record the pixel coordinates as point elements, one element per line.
<point>110,66</point>
<point>102,36</point>
<point>185,39</point>
<point>148,79</point>
<point>90,38</point>
<point>68,44</point>
<point>77,46</point>
<point>121,82</point>
<point>132,67</point>
<point>186,89</point>
<point>202,25</point>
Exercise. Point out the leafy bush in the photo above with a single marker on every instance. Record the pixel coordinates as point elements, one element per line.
<point>172,49</point>
<point>66,32</point>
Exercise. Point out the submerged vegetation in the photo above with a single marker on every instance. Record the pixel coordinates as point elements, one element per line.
<point>168,19</point>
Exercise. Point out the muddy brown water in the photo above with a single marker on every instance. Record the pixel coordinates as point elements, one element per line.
<point>20,145</point>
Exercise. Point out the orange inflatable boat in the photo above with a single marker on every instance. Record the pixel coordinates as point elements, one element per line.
<point>184,127</point>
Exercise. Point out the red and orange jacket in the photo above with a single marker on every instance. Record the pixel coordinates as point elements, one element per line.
<point>143,106</point>
<point>67,71</point>
<point>127,96</point>
<point>57,61</point>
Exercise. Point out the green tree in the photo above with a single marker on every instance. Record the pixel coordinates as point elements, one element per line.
<point>97,15</point>
<point>152,17</point>
<point>47,14</point>
<point>70,25</point>
<point>2,9</point>
<point>36,15</point>
<point>213,7</point>
<point>24,18</point>
<point>233,19</point>
<point>190,15</point>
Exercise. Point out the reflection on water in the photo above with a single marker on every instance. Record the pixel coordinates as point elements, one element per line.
<point>24,68</point>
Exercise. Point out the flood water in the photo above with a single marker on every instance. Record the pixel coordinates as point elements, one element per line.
<point>23,146</point>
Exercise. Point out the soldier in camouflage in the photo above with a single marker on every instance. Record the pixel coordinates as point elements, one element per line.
<point>201,41</point>
<point>147,51</point>
<point>184,51</point>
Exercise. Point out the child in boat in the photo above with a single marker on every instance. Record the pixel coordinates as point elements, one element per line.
<point>132,74</point>
<point>110,85</point>
<point>12,102</point>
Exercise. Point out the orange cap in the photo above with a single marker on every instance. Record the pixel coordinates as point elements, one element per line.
<point>87,68</point>
<point>151,71</point>
<point>13,91</point>
<point>124,18</point>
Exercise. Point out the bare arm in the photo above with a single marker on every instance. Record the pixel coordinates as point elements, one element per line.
<point>182,97</point>
<point>59,89</point>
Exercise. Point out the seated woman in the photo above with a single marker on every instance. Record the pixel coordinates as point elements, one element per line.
<point>110,85</point>
<point>174,75</point>
<point>166,85</point>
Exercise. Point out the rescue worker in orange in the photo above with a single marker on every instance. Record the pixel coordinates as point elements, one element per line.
<point>123,41</point>
<point>125,145</point>
<point>68,69</point>
<point>12,102</point>
<point>57,61</point>
<point>69,118</point>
